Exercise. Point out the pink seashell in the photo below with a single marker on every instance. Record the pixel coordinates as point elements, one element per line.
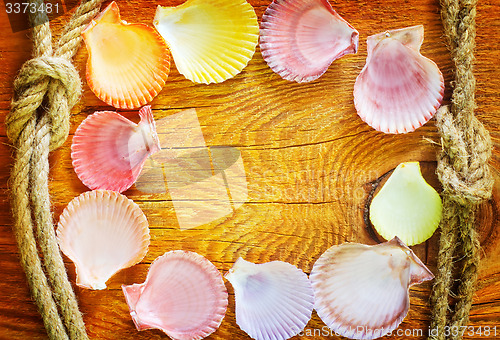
<point>109,151</point>
<point>102,232</point>
<point>183,295</point>
<point>398,89</point>
<point>274,300</point>
<point>362,292</point>
<point>299,39</point>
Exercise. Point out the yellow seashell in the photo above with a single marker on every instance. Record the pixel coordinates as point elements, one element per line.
<point>210,40</point>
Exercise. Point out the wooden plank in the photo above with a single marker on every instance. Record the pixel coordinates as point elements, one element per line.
<point>309,161</point>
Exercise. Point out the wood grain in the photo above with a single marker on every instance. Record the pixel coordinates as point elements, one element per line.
<point>310,163</point>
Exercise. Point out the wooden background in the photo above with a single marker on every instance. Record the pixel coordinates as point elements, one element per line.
<point>310,164</point>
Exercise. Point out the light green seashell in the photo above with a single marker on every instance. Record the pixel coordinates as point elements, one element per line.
<point>406,206</point>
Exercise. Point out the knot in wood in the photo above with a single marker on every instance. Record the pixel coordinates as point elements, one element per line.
<point>46,85</point>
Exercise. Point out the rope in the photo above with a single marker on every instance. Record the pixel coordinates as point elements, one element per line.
<point>45,91</point>
<point>463,171</point>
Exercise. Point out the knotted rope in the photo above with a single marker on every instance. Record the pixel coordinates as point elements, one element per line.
<point>46,89</point>
<point>463,171</point>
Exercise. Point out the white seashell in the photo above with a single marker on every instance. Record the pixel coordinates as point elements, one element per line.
<point>102,232</point>
<point>183,295</point>
<point>299,39</point>
<point>398,89</point>
<point>109,151</point>
<point>362,292</point>
<point>274,300</point>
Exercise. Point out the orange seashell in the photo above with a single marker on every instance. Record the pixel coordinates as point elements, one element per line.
<point>128,64</point>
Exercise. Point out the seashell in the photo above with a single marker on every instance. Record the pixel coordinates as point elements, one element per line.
<point>109,151</point>
<point>210,40</point>
<point>183,295</point>
<point>128,64</point>
<point>299,39</point>
<point>274,300</point>
<point>398,89</point>
<point>102,232</point>
<point>362,292</point>
<point>406,206</point>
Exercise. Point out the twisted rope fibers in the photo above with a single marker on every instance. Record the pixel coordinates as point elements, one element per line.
<point>463,171</point>
<point>45,91</point>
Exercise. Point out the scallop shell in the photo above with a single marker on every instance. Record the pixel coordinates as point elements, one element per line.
<point>274,300</point>
<point>128,64</point>
<point>183,295</point>
<point>102,232</point>
<point>210,40</point>
<point>362,292</point>
<point>109,151</point>
<point>406,206</point>
<point>398,89</point>
<point>299,39</point>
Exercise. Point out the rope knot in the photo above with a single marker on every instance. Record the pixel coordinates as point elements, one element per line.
<point>463,167</point>
<point>46,82</point>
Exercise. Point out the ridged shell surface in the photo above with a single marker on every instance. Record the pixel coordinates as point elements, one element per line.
<point>274,300</point>
<point>362,292</point>
<point>299,39</point>
<point>128,64</point>
<point>102,232</point>
<point>211,40</point>
<point>184,296</point>
<point>109,151</point>
<point>398,89</point>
